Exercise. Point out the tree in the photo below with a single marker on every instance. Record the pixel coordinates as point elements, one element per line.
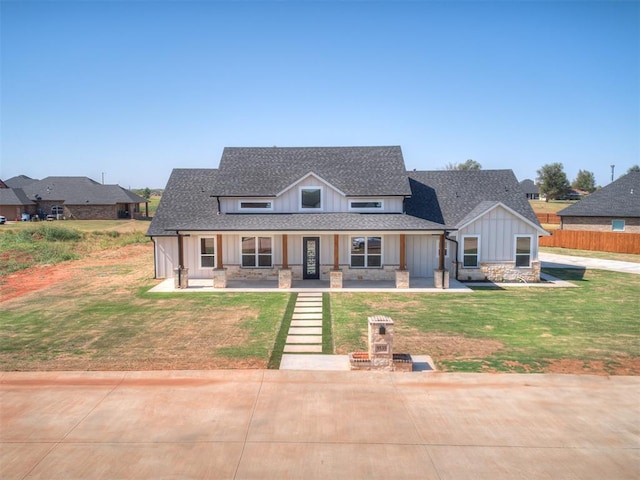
<point>635,168</point>
<point>552,181</point>
<point>468,165</point>
<point>585,180</point>
<point>146,193</point>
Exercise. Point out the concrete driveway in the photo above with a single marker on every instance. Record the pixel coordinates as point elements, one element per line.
<point>552,260</point>
<point>317,425</point>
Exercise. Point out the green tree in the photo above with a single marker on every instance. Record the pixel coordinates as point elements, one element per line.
<point>552,181</point>
<point>468,165</point>
<point>585,180</point>
<point>146,193</point>
<point>635,168</point>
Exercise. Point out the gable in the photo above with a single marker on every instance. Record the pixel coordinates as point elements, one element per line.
<point>497,210</point>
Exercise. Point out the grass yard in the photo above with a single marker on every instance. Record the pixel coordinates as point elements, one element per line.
<point>591,329</point>
<point>99,318</point>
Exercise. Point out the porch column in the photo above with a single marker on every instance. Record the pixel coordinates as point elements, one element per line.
<point>146,209</point>
<point>285,251</point>
<point>219,273</point>
<point>180,274</point>
<point>402,274</point>
<point>441,276</point>
<point>284,274</point>
<point>335,276</point>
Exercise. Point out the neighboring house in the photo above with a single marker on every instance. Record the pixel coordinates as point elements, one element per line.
<point>69,197</point>
<point>530,189</point>
<point>615,207</point>
<point>335,213</point>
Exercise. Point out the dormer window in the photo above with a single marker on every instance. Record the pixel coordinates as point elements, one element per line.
<point>311,198</point>
<point>366,205</point>
<point>251,205</point>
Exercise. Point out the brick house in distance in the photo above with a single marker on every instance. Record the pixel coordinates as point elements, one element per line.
<point>614,208</point>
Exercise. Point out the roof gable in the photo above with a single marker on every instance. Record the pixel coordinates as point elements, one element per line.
<point>451,196</point>
<point>484,208</point>
<point>309,175</point>
<point>620,198</point>
<point>355,171</point>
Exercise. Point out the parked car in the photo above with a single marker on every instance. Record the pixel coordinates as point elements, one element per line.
<point>25,217</point>
<point>3,220</point>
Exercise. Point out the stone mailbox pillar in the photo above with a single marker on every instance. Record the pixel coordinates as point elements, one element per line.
<point>381,342</point>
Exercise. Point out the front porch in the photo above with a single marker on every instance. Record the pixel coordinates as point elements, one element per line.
<point>417,285</point>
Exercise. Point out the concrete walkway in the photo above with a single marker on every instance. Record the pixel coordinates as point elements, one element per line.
<point>305,331</point>
<point>552,260</point>
<point>270,424</point>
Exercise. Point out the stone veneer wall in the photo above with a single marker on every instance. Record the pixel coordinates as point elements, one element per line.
<point>499,272</point>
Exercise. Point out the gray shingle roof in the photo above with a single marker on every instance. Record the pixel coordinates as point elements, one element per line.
<point>618,199</point>
<point>529,187</point>
<point>355,171</point>
<point>79,191</point>
<point>189,203</point>
<point>13,196</point>
<point>19,181</point>
<point>450,196</point>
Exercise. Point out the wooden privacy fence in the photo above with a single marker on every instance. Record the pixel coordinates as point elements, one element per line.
<point>548,218</point>
<point>615,242</point>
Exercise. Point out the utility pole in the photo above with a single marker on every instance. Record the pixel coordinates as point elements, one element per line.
<point>104,172</point>
<point>612,169</point>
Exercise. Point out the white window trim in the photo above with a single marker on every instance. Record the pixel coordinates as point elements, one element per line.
<point>366,209</point>
<point>257,250</point>
<point>515,248</point>
<point>255,200</point>
<point>311,187</point>
<point>200,254</point>
<point>624,224</point>
<point>462,248</point>
<point>365,254</point>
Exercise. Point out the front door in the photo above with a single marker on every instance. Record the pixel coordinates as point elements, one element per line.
<point>311,258</point>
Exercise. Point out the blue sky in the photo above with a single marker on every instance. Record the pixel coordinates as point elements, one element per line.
<point>136,88</point>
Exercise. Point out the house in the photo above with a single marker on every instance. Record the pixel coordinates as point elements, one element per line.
<point>530,189</point>
<point>340,214</point>
<point>615,207</point>
<point>77,198</point>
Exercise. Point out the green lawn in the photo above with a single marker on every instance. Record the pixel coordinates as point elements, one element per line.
<point>518,329</point>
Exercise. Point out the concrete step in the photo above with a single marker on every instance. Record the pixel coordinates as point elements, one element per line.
<point>305,331</point>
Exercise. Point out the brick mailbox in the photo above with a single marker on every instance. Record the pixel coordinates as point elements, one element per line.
<point>381,342</point>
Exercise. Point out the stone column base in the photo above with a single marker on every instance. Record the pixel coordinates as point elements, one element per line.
<point>219,278</point>
<point>180,277</point>
<point>402,278</point>
<point>438,281</point>
<point>284,278</point>
<point>335,278</point>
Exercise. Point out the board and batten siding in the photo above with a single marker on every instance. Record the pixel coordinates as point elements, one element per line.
<point>289,201</point>
<point>497,230</point>
<point>166,256</point>
<point>422,254</point>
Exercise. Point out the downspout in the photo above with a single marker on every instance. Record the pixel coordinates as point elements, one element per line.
<point>457,245</point>
<point>155,259</point>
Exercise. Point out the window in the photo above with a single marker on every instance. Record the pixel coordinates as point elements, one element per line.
<point>523,251</point>
<point>256,205</point>
<point>207,252</point>
<point>366,252</point>
<point>365,205</point>
<point>617,225</point>
<point>256,252</point>
<point>311,198</point>
<point>57,210</point>
<point>470,251</point>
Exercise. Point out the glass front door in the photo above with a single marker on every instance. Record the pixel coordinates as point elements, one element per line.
<point>311,258</point>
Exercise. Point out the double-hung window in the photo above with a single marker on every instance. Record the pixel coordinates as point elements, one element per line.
<point>207,252</point>
<point>471,251</point>
<point>366,252</point>
<point>257,252</point>
<point>523,250</point>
